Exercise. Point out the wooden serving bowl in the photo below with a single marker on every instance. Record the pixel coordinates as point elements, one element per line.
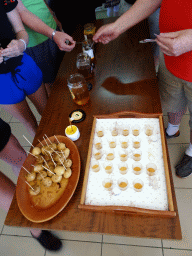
<point>23,198</point>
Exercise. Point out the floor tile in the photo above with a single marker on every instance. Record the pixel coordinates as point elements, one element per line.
<point>3,215</point>
<point>168,252</point>
<point>74,248</point>
<point>7,170</point>
<point>5,115</point>
<point>123,250</point>
<point>184,203</point>
<point>184,131</point>
<point>35,112</point>
<point>19,130</point>
<point>176,152</point>
<point>79,236</point>
<point>131,240</point>
<point>14,231</point>
<point>20,246</point>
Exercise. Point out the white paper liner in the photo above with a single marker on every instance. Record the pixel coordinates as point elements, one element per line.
<point>154,193</point>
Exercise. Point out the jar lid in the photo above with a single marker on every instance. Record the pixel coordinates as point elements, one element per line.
<point>77,116</point>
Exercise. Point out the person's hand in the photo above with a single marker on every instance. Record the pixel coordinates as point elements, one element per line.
<point>61,39</point>
<point>175,43</point>
<point>1,60</point>
<point>14,49</point>
<point>106,33</point>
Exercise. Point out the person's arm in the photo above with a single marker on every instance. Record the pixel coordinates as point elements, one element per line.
<point>138,12</point>
<point>54,17</point>
<point>36,24</point>
<point>16,47</point>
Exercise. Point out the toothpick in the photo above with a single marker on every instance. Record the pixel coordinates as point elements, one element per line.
<point>25,169</point>
<point>45,141</point>
<point>31,154</point>
<point>56,139</point>
<point>45,161</point>
<point>62,164</point>
<point>40,143</point>
<point>48,139</point>
<point>52,159</point>
<point>28,141</point>
<point>38,172</point>
<point>48,170</point>
<point>30,186</point>
<point>71,124</point>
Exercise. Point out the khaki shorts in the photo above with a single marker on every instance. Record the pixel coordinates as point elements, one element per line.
<point>175,93</point>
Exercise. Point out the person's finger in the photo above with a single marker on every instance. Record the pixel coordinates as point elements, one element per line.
<point>169,35</point>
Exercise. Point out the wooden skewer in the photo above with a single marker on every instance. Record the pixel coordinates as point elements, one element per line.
<point>28,141</point>
<point>30,186</point>
<point>25,169</point>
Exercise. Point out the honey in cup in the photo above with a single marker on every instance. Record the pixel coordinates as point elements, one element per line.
<point>72,132</point>
<point>122,183</point>
<point>123,168</point>
<point>95,166</point>
<point>136,130</point>
<point>107,184</point>
<point>114,129</point>
<point>151,169</point>
<point>100,131</point>
<point>125,130</point>
<point>137,155</point>
<point>136,142</point>
<point>123,154</point>
<point>137,167</point>
<point>138,185</point>
<point>149,130</point>
<point>112,142</point>
<point>98,155</point>
<point>108,167</point>
<point>98,144</point>
<point>124,142</point>
<point>110,155</point>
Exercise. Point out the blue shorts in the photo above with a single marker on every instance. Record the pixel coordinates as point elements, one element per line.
<point>26,80</point>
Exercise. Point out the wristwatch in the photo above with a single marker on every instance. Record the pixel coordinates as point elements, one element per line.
<point>53,34</point>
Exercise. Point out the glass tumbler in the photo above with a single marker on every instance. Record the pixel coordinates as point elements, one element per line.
<point>78,88</point>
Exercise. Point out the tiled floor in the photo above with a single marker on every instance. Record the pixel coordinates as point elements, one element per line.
<point>18,241</point>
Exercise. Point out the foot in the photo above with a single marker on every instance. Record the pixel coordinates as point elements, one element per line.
<point>48,241</point>
<point>184,168</point>
<point>172,136</point>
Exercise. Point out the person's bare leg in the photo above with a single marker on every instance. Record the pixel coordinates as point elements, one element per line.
<point>48,87</point>
<point>13,154</point>
<point>39,99</point>
<point>7,190</point>
<point>23,113</point>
